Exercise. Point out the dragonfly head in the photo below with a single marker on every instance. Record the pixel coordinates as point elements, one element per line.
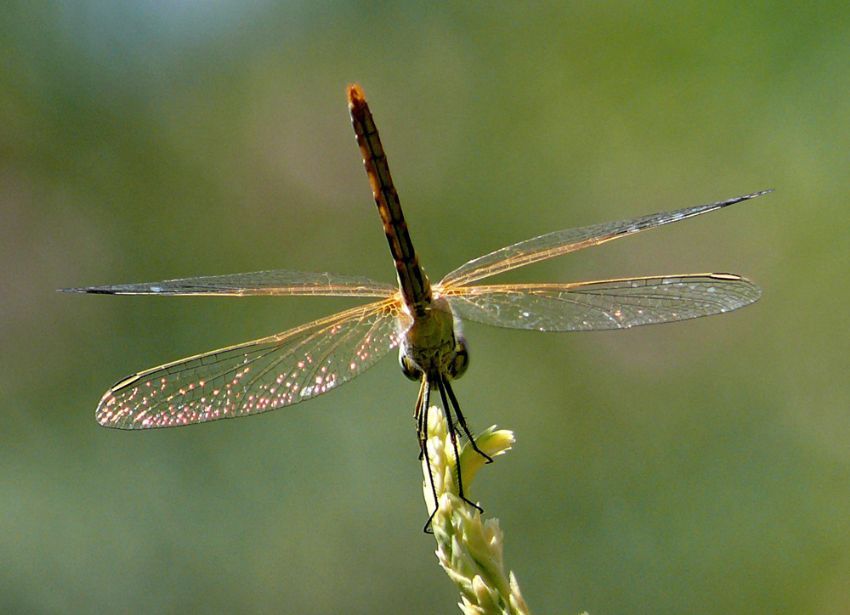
<point>433,344</point>
<point>454,368</point>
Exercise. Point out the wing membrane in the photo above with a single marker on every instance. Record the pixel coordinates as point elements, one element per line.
<point>605,304</point>
<point>254,377</point>
<point>274,282</point>
<point>569,240</point>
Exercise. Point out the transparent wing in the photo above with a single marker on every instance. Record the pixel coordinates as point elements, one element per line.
<point>605,304</point>
<point>275,282</point>
<point>569,240</point>
<point>256,376</point>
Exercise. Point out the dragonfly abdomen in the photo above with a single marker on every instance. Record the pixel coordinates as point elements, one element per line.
<point>413,282</point>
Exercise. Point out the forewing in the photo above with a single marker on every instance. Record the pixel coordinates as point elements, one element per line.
<point>569,240</point>
<point>606,304</point>
<point>256,376</point>
<point>275,282</point>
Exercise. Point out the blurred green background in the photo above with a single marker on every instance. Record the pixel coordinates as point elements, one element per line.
<point>698,467</point>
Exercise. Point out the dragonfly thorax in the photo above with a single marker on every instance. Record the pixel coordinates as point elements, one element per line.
<point>433,345</point>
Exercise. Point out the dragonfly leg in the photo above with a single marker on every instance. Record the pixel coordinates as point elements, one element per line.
<point>421,413</point>
<point>462,421</point>
<point>454,437</point>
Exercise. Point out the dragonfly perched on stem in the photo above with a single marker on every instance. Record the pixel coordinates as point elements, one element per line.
<point>420,318</point>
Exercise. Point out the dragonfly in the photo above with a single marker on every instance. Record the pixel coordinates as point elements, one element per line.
<point>421,319</point>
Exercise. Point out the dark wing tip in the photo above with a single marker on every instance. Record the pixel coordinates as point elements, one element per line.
<point>88,290</point>
<point>753,195</point>
<point>743,197</point>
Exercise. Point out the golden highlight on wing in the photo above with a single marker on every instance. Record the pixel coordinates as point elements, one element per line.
<point>604,304</point>
<point>557,243</point>
<point>254,377</point>
<point>273,282</point>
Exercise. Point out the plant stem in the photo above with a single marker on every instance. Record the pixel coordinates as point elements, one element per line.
<point>468,549</point>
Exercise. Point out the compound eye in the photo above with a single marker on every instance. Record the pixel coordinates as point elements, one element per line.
<point>460,361</point>
<point>408,367</point>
